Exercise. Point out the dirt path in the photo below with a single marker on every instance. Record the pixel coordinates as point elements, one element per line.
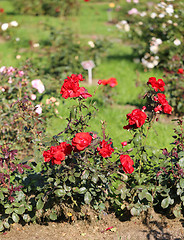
<point>159,228</point>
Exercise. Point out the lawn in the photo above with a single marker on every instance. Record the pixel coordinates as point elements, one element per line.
<point>91,23</point>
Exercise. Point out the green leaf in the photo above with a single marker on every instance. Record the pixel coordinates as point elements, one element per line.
<point>103,178</point>
<point>87,198</point>
<point>9,210</point>
<point>135,211</point>
<point>26,218</point>
<point>102,207</point>
<point>75,189</point>
<point>67,188</point>
<point>177,213</point>
<point>95,178</point>
<point>72,179</point>
<point>53,216</point>
<point>117,202</point>
<point>165,202</point>
<point>182,182</point>
<point>6,224</point>
<point>85,174</point>
<point>82,190</point>
<point>29,208</point>
<point>60,192</point>
<point>20,210</point>
<point>1,195</point>
<point>181,162</point>
<point>77,174</point>
<point>149,197</point>
<point>39,204</point>
<point>15,217</point>
<point>1,226</point>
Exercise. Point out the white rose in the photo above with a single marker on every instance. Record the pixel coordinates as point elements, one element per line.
<point>177,42</point>
<point>4,26</point>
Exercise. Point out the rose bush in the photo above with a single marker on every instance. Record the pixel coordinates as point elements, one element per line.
<point>156,30</point>
<point>78,168</point>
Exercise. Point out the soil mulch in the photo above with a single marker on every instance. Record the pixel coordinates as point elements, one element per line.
<point>157,228</point>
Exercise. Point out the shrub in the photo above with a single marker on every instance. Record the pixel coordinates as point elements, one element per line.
<point>47,7</point>
<point>78,168</point>
<point>62,53</point>
<point>156,31</point>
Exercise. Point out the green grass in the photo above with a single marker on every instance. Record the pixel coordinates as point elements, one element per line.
<point>91,23</point>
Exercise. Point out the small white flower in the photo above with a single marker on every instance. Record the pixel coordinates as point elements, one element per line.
<point>91,44</point>
<point>143,14</point>
<point>123,22</point>
<point>158,41</point>
<point>4,26</point>
<point>176,16</point>
<point>35,45</point>
<point>33,97</point>
<point>10,80</point>
<point>170,21</point>
<point>177,42</point>
<point>17,39</point>
<point>38,109</point>
<point>155,62</point>
<point>37,83</point>
<point>18,57</point>
<point>161,15</point>
<point>169,9</point>
<point>164,25</point>
<point>153,15</point>
<point>154,49</point>
<point>3,69</point>
<point>127,27</point>
<point>14,24</point>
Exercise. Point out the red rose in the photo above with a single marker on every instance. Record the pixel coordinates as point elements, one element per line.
<point>126,164</point>
<point>103,82</point>
<point>161,98</point>
<point>166,108</point>
<point>1,10</point>
<point>180,71</point>
<point>81,140</point>
<point>47,156</point>
<point>70,87</point>
<point>105,149</point>
<point>156,84</point>
<point>124,143</point>
<point>66,148</point>
<point>112,82</point>
<point>84,93</point>
<point>136,119</point>
<point>158,108</point>
<point>56,154</point>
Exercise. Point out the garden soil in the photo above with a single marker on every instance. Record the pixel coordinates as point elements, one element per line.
<point>108,228</point>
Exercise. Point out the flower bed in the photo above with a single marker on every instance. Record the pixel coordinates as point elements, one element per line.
<point>78,167</point>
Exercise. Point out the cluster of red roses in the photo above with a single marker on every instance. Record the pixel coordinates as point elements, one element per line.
<point>70,87</point>
<point>56,154</point>
<point>162,104</point>
<point>112,82</point>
